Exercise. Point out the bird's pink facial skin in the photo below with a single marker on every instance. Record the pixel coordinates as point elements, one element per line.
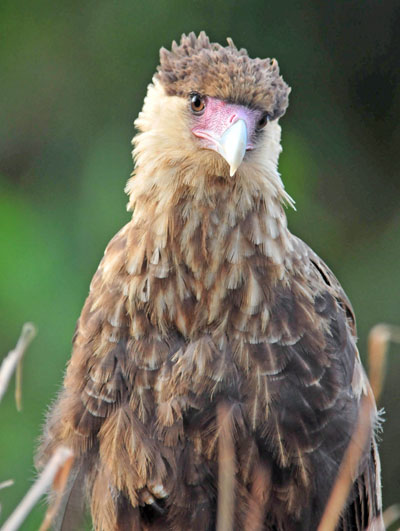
<point>218,116</point>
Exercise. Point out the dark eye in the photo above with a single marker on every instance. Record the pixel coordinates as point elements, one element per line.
<point>197,103</point>
<point>262,122</point>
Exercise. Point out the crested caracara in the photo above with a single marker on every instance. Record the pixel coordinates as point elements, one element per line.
<point>214,378</point>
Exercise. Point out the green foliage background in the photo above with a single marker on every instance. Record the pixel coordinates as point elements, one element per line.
<point>73,77</point>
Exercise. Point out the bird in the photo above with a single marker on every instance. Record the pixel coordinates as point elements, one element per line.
<point>215,381</point>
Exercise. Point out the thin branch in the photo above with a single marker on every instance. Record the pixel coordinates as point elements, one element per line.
<point>226,468</point>
<point>391,515</point>
<point>18,385</point>
<point>59,484</point>
<point>378,343</point>
<point>6,484</point>
<point>348,468</point>
<point>14,357</point>
<point>40,487</point>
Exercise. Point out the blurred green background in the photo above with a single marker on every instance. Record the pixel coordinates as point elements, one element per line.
<point>72,80</point>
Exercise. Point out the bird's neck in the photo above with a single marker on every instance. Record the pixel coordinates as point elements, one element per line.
<point>218,222</point>
<point>196,247</point>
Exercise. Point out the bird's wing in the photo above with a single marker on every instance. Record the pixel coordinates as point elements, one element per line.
<point>363,510</point>
<point>105,413</point>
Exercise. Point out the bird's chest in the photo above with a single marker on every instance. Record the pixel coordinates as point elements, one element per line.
<point>209,320</point>
<point>204,374</point>
<point>206,336</point>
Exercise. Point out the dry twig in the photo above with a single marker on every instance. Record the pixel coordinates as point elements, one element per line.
<point>40,487</point>
<point>59,484</point>
<point>391,515</point>
<point>13,359</point>
<point>378,343</point>
<point>226,468</point>
<point>5,484</point>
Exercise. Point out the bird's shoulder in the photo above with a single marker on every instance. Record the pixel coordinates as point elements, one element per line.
<point>322,278</point>
<point>115,348</point>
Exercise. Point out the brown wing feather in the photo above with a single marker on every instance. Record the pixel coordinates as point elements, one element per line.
<point>364,507</point>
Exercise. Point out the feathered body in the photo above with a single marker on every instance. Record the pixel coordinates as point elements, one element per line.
<point>207,319</point>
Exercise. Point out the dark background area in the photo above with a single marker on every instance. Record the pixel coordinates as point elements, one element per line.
<point>73,78</point>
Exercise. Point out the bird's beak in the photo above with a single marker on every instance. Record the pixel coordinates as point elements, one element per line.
<point>232,145</point>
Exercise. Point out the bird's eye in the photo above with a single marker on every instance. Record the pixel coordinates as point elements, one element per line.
<point>262,122</point>
<point>197,103</point>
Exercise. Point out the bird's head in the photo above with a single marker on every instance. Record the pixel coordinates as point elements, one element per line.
<point>210,110</point>
<point>230,129</point>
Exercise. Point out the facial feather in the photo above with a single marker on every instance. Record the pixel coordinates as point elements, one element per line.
<point>170,163</point>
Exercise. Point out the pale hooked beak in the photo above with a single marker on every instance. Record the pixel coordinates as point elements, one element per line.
<point>232,145</point>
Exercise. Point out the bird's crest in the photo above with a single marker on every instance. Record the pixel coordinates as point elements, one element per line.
<point>197,64</point>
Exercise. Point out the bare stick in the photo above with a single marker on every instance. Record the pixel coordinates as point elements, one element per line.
<point>226,468</point>
<point>348,468</point>
<point>37,490</point>
<point>391,515</point>
<point>5,484</point>
<point>59,483</point>
<point>378,343</point>
<point>12,359</point>
<point>18,385</point>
